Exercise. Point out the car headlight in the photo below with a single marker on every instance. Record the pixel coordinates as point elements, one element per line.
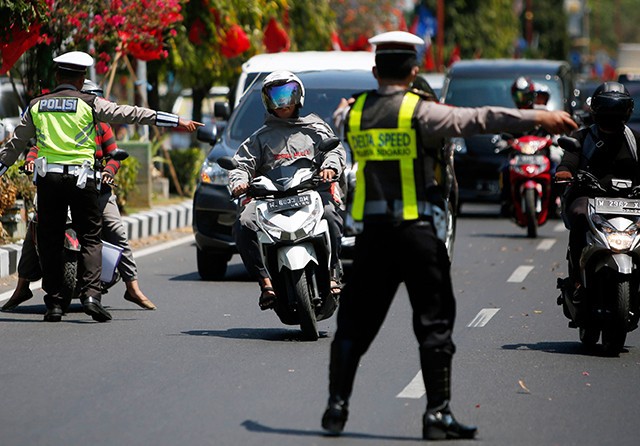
<point>212,173</point>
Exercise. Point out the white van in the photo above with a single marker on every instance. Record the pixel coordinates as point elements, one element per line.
<point>256,68</point>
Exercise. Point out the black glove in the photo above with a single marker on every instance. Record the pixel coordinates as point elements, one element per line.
<point>635,192</point>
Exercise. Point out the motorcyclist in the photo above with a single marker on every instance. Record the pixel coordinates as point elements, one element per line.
<point>528,95</point>
<point>284,138</point>
<point>608,150</point>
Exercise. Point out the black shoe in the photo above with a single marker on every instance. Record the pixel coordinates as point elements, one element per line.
<point>335,417</point>
<point>94,308</point>
<point>441,425</point>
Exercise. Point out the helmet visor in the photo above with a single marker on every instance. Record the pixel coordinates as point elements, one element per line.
<point>284,95</point>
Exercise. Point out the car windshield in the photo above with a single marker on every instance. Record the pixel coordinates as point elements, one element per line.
<point>478,92</point>
<point>323,91</point>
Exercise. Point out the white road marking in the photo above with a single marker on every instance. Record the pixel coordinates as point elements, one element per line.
<point>483,317</point>
<point>520,273</point>
<point>415,389</point>
<point>546,244</point>
<point>559,228</point>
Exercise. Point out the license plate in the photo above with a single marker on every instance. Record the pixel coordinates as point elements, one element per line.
<point>617,206</point>
<point>285,203</point>
<point>529,159</point>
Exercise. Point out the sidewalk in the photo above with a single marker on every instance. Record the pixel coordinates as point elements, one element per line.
<point>157,220</point>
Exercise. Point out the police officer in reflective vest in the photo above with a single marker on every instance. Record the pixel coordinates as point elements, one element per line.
<point>64,125</point>
<point>395,136</point>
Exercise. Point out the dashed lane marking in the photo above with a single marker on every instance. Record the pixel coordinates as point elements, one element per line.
<point>415,389</point>
<point>520,273</point>
<point>546,244</point>
<point>483,317</point>
<point>559,228</point>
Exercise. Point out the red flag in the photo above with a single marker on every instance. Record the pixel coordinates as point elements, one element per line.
<point>336,42</point>
<point>235,42</point>
<point>275,37</point>
<point>429,61</point>
<point>19,42</point>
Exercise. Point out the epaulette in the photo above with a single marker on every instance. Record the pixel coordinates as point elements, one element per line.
<point>423,94</point>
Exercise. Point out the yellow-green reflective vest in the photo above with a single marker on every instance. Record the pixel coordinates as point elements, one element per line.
<point>382,144</point>
<point>65,130</point>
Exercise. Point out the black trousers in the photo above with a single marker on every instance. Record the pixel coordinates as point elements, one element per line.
<point>386,255</point>
<point>56,193</point>
<point>577,216</point>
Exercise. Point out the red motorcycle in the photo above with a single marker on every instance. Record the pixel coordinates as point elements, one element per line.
<point>527,179</point>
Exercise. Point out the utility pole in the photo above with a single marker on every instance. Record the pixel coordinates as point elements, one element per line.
<point>440,36</point>
<point>528,23</point>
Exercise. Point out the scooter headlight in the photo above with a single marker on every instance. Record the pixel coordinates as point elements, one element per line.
<point>274,231</point>
<point>314,216</point>
<point>619,241</point>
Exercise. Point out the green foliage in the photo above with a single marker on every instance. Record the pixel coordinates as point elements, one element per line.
<point>550,29</point>
<point>187,163</point>
<point>22,184</point>
<point>481,29</point>
<point>126,180</point>
<point>311,25</point>
<point>21,15</point>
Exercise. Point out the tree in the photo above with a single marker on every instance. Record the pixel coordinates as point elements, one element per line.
<point>549,30</point>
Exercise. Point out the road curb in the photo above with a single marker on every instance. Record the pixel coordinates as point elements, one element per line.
<point>143,224</point>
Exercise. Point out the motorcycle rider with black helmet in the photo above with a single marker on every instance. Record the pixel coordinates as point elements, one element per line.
<point>608,150</point>
<point>284,138</point>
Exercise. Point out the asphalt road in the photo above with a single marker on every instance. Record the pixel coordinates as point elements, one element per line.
<point>209,368</point>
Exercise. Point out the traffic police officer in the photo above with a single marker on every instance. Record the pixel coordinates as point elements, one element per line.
<point>395,136</point>
<point>64,125</point>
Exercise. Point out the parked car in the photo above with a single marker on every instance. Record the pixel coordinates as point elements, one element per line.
<point>480,82</point>
<point>435,81</point>
<point>11,107</point>
<point>214,211</point>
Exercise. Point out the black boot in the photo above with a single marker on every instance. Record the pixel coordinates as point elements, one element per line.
<point>94,308</point>
<point>54,309</point>
<point>438,422</point>
<point>342,371</point>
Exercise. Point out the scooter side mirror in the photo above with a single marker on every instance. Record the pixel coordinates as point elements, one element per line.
<point>119,155</point>
<point>328,144</point>
<point>227,162</point>
<point>207,134</point>
<point>569,143</point>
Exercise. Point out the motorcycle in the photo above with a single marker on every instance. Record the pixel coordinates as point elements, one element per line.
<point>294,240</point>
<point>529,179</point>
<point>609,304</point>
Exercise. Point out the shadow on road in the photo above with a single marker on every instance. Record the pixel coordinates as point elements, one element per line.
<point>262,334</point>
<point>565,348</point>
<point>254,426</point>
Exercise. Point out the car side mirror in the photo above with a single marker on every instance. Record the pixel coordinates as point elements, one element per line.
<point>207,134</point>
<point>221,109</point>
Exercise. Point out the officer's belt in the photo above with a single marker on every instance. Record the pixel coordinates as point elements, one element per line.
<point>70,169</point>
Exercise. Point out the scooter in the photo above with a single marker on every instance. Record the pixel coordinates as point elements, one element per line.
<point>294,241</point>
<point>529,181</point>
<point>609,264</point>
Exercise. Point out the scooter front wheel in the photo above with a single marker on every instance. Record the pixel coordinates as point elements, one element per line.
<point>301,284</point>
<point>614,334</point>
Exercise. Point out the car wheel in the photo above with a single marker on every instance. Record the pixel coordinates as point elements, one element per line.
<point>212,265</point>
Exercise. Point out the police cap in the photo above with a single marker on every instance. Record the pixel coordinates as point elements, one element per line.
<point>396,42</point>
<point>76,61</point>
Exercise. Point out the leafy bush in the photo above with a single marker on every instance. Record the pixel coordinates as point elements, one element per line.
<point>187,163</point>
<point>126,180</point>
